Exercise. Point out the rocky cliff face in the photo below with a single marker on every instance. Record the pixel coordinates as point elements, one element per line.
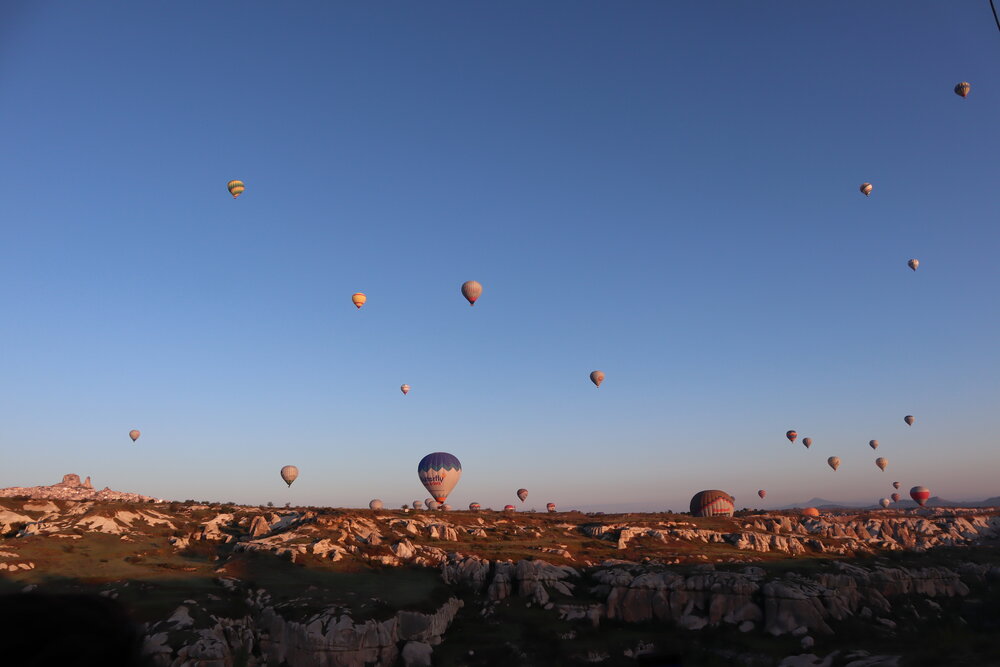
<point>71,488</point>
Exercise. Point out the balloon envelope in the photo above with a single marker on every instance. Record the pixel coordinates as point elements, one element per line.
<point>762,493</point>
<point>474,507</point>
<point>359,299</point>
<point>597,377</point>
<point>866,189</point>
<point>913,264</point>
<point>909,420</point>
<point>439,473</point>
<point>807,442</point>
<point>791,435</point>
<point>235,188</point>
<point>833,462</point>
<point>873,444</point>
<point>884,502</point>
<point>550,507</point>
<point>895,497</point>
<point>508,508</point>
<point>471,290</point>
<point>522,494</point>
<point>920,494</point>
<point>405,388</point>
<point>134,434</point>
<point>810,511</point>
<point>375,504</point>
<point>712,502</point>
<point>895,485</point>
<point>881,462</point>
<point>445,508</point>
<point>417,504</point>
<point>962,89</point>
<point>289,473</point>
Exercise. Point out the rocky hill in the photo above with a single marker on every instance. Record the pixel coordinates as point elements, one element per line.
<point>216,585</point>
<point>71,488</point>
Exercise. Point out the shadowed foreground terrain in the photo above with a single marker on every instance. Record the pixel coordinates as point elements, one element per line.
<point>219,585</point>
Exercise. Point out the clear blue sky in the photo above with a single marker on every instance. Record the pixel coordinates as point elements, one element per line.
<point>665,191</point>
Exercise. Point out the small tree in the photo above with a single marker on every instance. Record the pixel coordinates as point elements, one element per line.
<point>270,504</point>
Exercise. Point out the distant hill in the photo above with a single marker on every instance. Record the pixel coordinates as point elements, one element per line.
<point>904,503</point>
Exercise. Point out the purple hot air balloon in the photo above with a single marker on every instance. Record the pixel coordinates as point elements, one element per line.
<point>439,473</point>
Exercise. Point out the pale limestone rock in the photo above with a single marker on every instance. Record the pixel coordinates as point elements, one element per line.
<point>417,654</point>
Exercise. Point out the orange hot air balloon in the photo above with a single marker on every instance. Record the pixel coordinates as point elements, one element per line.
<point>866,189</point>
<point>471,290</point>
<point>873,444</point>
<point>359,299</point>
<point>235,188</point>
<point>909,420</point>
<point>791,435</point>
<point>913,264</point>
<point>810,511</point>
<point>597,377</point>
<point>962,89</point>
<point>405,388</point>
<point>807,442</point>
<point>134,434</point>
<point>762,493</point>
<point>833,462</point>
<point>881,462</point>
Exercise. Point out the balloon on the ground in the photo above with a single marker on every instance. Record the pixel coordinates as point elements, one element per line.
<point>962,89</point>
<point>134,434</point>
<point>909,420</point>
<point>920,494</point>
<point>235,188</point>
<point>405,388</point>
<point>866,189</point>
<point>895,497</point>
<point>873,444</point>
<point>791,435</point>
<point>522,494</point>
<point>439,473</point>
<point>417,504</point>
<point>884,502</point>
<point>896,485</point>
<point>810,511</point>
<point>474,507</point>
<point>597,377</point>
<point>375,504</point>
<point>289,473</point>
<point>913,264</point>
<point>833,462</point>
<point>471,290</point>
<point>359,299</point>
<point>712,502</point>
<point>508,508</point>
<point>550,507</point>
<point>807,442</point>
<point>762,493</point>
<point>430,503</point>
<point>445,508</point>
<point>881,462</point>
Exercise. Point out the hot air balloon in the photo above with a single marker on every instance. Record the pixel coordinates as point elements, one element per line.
<point>236,188</point>
<point>873,444</point>
<point>430,503</point>
<point>376,504</point>
<point>289,473</point>
<point>550,507</point>
<point>522,494</point>
<point>761,493</point>
<point>833,462</point>
<point>962,89</point>
<point>445,508</point>
<point>439,473</point>
<point>791,435</point>
<point>920,494</point>
<point>908,419</point>
<point>866,189</point>
<point>913,264</point>
<point>405,388</point>
<point>807,442</point>
<point>895,485</point>
<point>810,511</point>
<point>471,291</point>
<point>134,434</point>
<point>473,507</point>
<point>712,502</point>
<point>508,508</point>
<point>597,377</point>
<point>359,299</point>
<point>895,497</point>
<point>881,462</point>
<point>417,504</point>
<point>884,502</point>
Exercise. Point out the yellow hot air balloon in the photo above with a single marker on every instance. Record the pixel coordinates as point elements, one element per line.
<point>866,189</point>
<point>597,377</point>
<point>881,462</point>
<point>833,462</point>
<point>913,264</point>
<point>471,290</point>
<point>134,434</point>
<point>359,299</point>
<point>236,188</point>
<point>962,89</point>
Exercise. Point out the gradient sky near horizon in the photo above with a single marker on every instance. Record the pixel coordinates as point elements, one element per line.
<point>664,191</point>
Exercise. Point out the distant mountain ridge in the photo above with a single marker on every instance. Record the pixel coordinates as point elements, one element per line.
<point>904,503</point>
